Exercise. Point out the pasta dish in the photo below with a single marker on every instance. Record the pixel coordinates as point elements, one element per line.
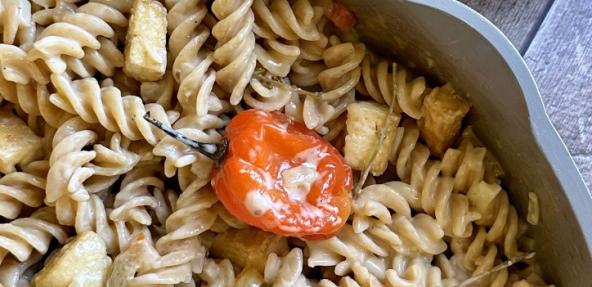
<point>238,143</point>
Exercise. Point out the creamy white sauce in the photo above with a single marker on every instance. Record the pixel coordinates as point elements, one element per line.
<point>257,202</point>
<point>297,181</point>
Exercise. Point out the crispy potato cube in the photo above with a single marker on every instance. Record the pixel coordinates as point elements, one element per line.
<point>145,48</point>
<point>365,121</point>
<point>81,262</point>
<point>18,143</point>
<point>248,247</point>
<point>443,111</point>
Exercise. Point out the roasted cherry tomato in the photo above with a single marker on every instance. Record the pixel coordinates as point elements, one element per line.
<point>342,17</point>
<point>281,177</point>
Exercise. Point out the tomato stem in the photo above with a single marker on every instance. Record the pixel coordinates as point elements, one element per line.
<point>213,151</point>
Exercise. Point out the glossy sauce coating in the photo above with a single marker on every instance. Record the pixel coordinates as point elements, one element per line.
<point>283,178</point>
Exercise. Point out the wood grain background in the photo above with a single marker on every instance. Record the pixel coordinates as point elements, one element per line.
<point>555,38</point>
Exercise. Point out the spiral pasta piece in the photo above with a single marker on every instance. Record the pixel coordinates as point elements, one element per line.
<point>433,181</point>
<point>191,60</point>
<point>180,249</point>
<point>217,274</point>
<point>474,255</point>
<point>416,271</point>
<point>285,271</point>
<point>499,216</point>
<point>141,190</point>
<point>108,57</point>
<point>106,106</point>
<point>268,98</point>
<point>67,173</point>
<point>68,38</point>
<point>105,60</point>
<point>160,92</point>
<point>16,24</point>
<point>309,64</point>
<point>47,12</point>
<point>343,69</point>
<point>18,189</point>
<point>18,69</point>
<point>384,80</point>
<point>465,164</point>
<point>22,236</point>
<point>76,174</point>
<point>280,19</point>
<point>317,113</point>
<point>344,282</point>
<point>205,129</point>
<point>452,210</point>
<point>12,271</point>
<point>349,249</point>
<point>94,17</point>
<point>377,201</point>
<point>234,53</point>
<point>276,57</point>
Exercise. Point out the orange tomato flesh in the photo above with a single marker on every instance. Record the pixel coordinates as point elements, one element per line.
<point>264,149</point>
<point>342,17</point>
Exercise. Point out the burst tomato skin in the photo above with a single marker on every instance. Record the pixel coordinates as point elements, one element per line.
<point>262,147</point>
<point>342,17</point>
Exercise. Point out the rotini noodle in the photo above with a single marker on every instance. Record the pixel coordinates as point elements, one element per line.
<point>203,129</point>
<point>16,24</point>
<point>180,248</point>
<point>12,273</point>
<point>23,236</point>
<point>51,11</point>
<point>141,190</point>
<point>107,106</point>
<point>263,97</point>
<point>280,19</point>
<point>285,271</point>
<point>26,188</point>
<point>436,216</point>
<point>234,53</point>
<point>191,61</point>
<point>384,80</point>
<point>217,274</point>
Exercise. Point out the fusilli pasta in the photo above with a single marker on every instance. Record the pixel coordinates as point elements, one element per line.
<point>26,188</point>
<point>437,215</point>
<point>23,236</point>
<point>234,53</point>
<point>16,26</point>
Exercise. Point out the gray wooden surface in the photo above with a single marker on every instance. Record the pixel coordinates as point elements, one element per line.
<point>555,37</point>
<point>518,19</point>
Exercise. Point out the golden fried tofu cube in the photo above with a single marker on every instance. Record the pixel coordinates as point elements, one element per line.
<point>81,262</point>
<point>365,121</point>
<point>18,143</point>
<point>248,247</point>
<point>145,48</point>
<point>443,111</point>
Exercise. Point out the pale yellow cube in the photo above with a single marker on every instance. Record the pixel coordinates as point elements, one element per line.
<point>145,48</point>
<point>18,143</point>
<point>365,121</point>
<point>81,262</point>
<point>443,111</point>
